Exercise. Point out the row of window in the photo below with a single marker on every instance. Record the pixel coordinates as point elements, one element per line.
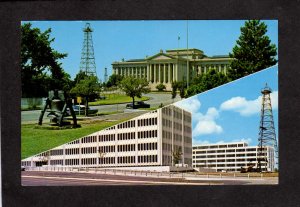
<point>126,159</point>
<point>26,163</point>
<point>72,162</point>
<point>107,160</point>
<point>106,149</point>
<point>126,136</point>
<point>89,139</point>
<point>227,160</point>
<point>218,146</point>
<point>126,148</point>
<point>147,146</point>
<point>56,162</point>
<point>127,124</point>
<point>147,134</point>
<point>106,137</point>
<point>147,158</point>
<point>72,151</point>
<point>88,150</point>
<point>56,152</point>
<point>147,122</point>
<point>74,142</point>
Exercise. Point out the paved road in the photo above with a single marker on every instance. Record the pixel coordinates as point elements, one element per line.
<point>34,178</point>
<point>155,101</point>
<point>46,178</point>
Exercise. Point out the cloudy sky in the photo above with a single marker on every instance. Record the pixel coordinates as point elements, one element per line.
<point>114,40</point>
<point>232,112</point>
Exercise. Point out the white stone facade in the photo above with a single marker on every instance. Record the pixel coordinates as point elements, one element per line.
<point>147,140</point>
<point>232,156</point>
<point>171,66</point>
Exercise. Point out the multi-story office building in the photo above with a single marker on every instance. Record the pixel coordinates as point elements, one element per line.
<point>147,140</point>
<point>167,67</point>
<point>232,156</point>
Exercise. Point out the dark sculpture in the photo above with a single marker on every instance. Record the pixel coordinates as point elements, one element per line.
<point>58,103</point>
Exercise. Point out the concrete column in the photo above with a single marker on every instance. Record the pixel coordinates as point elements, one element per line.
<point>148,73</point>
<point>205,69</point>
<point>173,68</point>
<point>159,73</point>
<point>169,73</point>
<point>164,73</point>
<point>220,69</point>
<point>225,69</point>
<point>154,80</point>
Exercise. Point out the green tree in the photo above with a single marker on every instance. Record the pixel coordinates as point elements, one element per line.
<point>40,69</point>
<point>176,154</point>
<point>174,90</point>
<point>161,87</point>
<point>134,87</point>
<point>253,50</point>
<point>114,80</point>
<point>206,81</point>
<point>86,88</point>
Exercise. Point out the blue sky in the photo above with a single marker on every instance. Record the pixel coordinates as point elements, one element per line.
<point>232,112</point>
<point>114,40</point>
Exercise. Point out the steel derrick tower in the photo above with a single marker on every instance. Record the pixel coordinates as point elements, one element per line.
<point>267,135</point>
<point>87,63</point>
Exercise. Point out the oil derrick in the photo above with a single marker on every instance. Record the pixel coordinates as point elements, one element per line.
<point>87,63</point>
<point>267,135</point>
<point>105,75</point>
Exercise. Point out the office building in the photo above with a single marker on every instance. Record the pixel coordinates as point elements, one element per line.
<point>232,156</point>
<point>147,140</point>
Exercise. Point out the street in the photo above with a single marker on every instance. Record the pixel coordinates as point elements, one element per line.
<point>61,178</point>
<point>155,100</point>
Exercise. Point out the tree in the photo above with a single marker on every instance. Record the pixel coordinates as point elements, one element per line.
<point>176,154</point>
<point>134,87</point>
<point>206,81</point>
<point>161,87</point>
<point>182,85</point>
<point>114,80</point>
<point>253,50</point>
<point>86,88</point>
<point>174,90</point>
<point>40,69</point>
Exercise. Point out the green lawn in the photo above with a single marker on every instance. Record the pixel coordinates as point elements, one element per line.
<point>36,140</point>
<point>116,99</point>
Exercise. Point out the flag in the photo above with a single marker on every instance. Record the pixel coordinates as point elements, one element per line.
<point>178,38</point>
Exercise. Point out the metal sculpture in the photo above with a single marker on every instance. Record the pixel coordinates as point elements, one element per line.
<point>58,104</point>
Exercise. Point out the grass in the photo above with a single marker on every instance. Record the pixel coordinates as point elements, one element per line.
<point>116,99</point>
<point>36,140</point>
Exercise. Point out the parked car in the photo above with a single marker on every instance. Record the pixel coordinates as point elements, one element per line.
<point>80,109</point>
<point>138,104</point>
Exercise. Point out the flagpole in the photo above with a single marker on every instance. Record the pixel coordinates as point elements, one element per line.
<point>187,57</point>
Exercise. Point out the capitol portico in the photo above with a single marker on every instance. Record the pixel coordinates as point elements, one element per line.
<point>167,67</point>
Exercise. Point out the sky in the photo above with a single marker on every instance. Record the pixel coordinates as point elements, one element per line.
<point>114,40</point>
<point>231,112</point>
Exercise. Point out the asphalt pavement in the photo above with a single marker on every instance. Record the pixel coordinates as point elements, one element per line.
<point>155,100</point>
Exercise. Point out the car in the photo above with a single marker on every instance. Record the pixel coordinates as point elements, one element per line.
<point>138,104</point>
<point>80,109</point>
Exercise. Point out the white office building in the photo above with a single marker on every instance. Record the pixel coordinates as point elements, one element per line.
<point>232,156</point>
<point>147,140</point>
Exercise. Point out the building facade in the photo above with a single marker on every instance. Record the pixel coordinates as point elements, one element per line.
<point>167,67</point>
<point>232,156</point>
<point>147,140</point>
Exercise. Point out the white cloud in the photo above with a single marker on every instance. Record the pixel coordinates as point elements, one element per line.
<point>191,104</point>
<point>200,142</point>
<point>206,123</point>
<point>248,107</point>
<point>247,140</point>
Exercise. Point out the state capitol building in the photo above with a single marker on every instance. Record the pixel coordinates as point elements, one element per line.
<point>170,66</point>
